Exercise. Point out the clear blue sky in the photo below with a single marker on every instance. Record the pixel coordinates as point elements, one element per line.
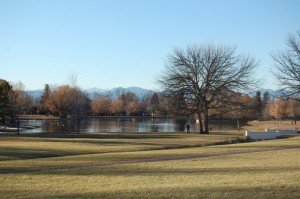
<point>112,43</point>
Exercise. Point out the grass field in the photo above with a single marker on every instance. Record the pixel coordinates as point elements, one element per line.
<point>152,165</point>
<point>275,124</point>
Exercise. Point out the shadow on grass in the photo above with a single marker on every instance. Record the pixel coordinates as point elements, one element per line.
<point>165,191</point>
<point>21,154</point>
<point>164,140</point>
<point>140,171</point>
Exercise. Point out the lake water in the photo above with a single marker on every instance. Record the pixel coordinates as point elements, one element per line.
<point>121,124</point>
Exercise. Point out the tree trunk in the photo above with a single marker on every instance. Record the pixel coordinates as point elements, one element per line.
<point>200,122</point>
<point>3,120</point>
<point>206,131</point>
<point>206,116</point>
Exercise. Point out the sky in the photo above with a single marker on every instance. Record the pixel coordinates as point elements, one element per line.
<point>123,43</point>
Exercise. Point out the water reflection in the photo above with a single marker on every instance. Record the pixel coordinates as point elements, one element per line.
<point>120,124</point>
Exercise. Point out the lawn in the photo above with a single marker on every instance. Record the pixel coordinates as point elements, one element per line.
<point>273,124</point>
<point>133,165</point>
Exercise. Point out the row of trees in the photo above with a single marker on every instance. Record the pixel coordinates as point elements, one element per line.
<point>70,100</point>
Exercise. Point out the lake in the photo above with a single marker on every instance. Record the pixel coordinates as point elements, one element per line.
<point>122,124</point>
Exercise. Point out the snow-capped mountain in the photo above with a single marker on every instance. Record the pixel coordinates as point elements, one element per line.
<point>113,93</point>
<point>116,92</point>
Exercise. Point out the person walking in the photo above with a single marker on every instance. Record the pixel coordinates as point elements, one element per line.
<point>188,128</point>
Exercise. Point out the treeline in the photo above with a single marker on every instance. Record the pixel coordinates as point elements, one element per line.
<point>66,100</point>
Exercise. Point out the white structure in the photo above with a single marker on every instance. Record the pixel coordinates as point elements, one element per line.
<point>269,134</point>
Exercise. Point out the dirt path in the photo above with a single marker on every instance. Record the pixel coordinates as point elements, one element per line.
<point>143,160</point>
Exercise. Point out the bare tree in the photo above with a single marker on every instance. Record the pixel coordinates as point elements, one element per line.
<point>206,76</point>
<point>116,107</point>
<point>73,80</point>
<point>80,103</point>
<point>68,100</point>
<point>154,104</point>
<point>44,98</point>
<point>287,66</point>
<point>100,105</point>
<point>278,109</point>
<point>23,101</point>
<point>127,98</point>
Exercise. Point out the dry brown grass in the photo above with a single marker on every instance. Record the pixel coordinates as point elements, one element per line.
<point>269,174</point>
<point>262,125</point>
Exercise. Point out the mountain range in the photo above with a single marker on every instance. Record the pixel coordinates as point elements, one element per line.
<point>140,92</point>
<point>114,93</point>
<point>92,92</point>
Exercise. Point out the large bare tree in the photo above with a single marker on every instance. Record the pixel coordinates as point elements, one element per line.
<point>206,76</point>
<point>23,102</point>
<point>287,66</point>
<point>67,100</point>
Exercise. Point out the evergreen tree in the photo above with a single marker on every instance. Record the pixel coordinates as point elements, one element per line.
<point>5,90</point>
<point>258,104</point>
<point>45,97</point>
<point>266,103</point>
